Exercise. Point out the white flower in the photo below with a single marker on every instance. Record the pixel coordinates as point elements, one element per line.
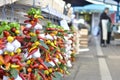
<point>1,52</point>
<point>26,55</point>
<point>9,47</point>
<point>38,26</point>
<point>16,44</point>
<point>5,78</point>
<point>18,78</point>
<point>66,38</point>
<point>55,37</point>
<point>42,35</point>
<point>36,54</point>
<point>28,26</point>
<point>69,64</point>
<point>52,63</point>
<point>56,60</point>
<point>49,37</point>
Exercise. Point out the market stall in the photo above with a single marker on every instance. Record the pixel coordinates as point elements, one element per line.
<point>31,51</point>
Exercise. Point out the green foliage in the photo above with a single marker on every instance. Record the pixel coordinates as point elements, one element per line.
<point>58,76</point>
<point>13,73</point>
<point>34,11</point>
<point>43,44</point>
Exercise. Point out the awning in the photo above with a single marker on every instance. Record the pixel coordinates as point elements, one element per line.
<point>77,2</point>
<point>110,2</point>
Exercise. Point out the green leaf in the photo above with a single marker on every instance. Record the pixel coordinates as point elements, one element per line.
<point>43,44</point>
<point>49,23</point>
<point>24,70</point>
<point>14,24</point>
<point>65,30</point>
<point>14,73</point>
<point>48,64</point>
<point>59,34</point>
<point>58,76</point>
<point>37,75</point>
<point>4,23</point>
<point>38,12</point>
<point>1,35</point>
<point>33,39</point>
<point>62,49</point>
<point>62,66</point>
<point>1,29</point>
<point>52,52</point>
<point>6,27</point>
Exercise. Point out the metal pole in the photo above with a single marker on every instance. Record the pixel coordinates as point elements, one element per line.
<point>3,11</point>
<point>33,3</point>
<point>12,11</point>
<point>49,12</point>
<point>103,1</point>
<point>117,15</point>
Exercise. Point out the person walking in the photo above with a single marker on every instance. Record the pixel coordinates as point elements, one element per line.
<point>104,20</point>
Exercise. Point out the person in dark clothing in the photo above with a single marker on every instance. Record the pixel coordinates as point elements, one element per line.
<point>105,34</point>
<point>109,31</point>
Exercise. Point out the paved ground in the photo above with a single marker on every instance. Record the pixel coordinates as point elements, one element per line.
<point>97,64</point>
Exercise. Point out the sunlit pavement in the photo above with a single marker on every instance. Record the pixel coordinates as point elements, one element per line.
<point>100,63</point>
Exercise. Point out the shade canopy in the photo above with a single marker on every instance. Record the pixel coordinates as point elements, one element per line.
<point>99,7</point>
<point>117,1</point>
<point>86,2</point>
<point>77,2</point>
<point>94,8</point>
<point>109,2</point>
